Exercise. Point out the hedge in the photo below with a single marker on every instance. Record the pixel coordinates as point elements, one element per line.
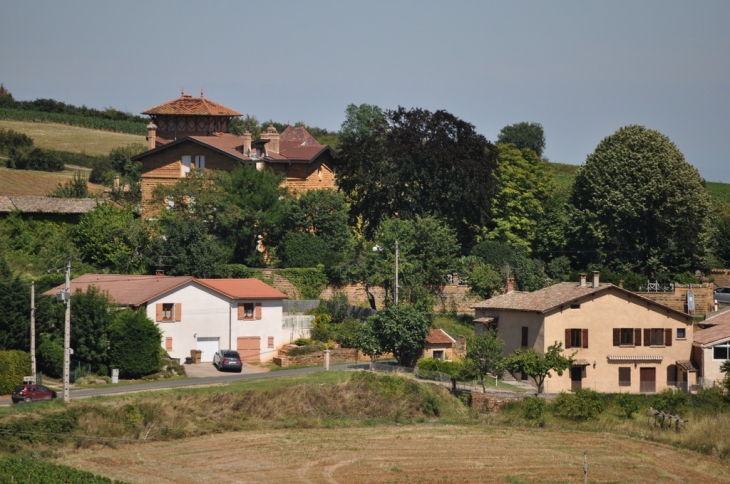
<point>14,365</point>
<point>309,281</point>
<point>119,126</point>
<point>31,471</point>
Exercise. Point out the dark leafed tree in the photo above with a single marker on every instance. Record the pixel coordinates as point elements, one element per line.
<point>415,162</point>
<point>524,135</point>
<point>638,205</point>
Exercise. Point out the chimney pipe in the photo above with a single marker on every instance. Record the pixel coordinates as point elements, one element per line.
<point>151,136</point>
<point>510,285</point>
<point>583,280</point>
<point>273,136</point>
<point>596,274</point>
<point>247,138</point>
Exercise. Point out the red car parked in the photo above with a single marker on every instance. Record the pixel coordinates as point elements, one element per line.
<point>31,392</point>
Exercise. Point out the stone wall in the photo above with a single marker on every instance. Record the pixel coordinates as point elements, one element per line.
<point>337,355</point>
<point>721,277</point>
<point>486,403</point>
<point>704,298</point>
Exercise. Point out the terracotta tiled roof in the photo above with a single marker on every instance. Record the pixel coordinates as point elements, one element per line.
<point>298,135</point>
<point>123,289</point>
<point>242,288</point>
<point>27,204</point>
<point>192,106</point>
<point>439,337</point>
<point>556,295</point>
<point>292,150</point>
<point>223,143</point>
<point>686,364</point>
<point>720,317</point>
<point>713,334</point>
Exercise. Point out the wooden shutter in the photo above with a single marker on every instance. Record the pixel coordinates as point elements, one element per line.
<point>637,337</point>
<point>271,341</point>
<point>178,312</point>
<point>624,376</point>
<point>567,339</point>
<point>647,337</point>
<point>667,337</point>
<point>584,337</point>
<point>241,310</point>
<point>257,313</point>
<point>158,312</point>
<point>617,336</point>
<point>168,343</point>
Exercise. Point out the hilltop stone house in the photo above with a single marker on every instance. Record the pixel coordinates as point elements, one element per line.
<point>620,342</point>
<point>190,133</point>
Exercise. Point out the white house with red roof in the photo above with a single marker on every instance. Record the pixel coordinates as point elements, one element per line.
<point>201,314</point>
<point>711,348</point>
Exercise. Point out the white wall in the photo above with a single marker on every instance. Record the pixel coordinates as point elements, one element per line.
<point>206,314</point>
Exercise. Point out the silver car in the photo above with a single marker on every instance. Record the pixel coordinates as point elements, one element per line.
<point>722,295</point>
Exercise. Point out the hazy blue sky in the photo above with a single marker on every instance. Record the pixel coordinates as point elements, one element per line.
<point>582,69</point>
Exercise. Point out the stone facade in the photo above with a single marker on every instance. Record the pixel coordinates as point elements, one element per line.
<point>721,277</point>
<point>301,177</point>
<point>704,298</point>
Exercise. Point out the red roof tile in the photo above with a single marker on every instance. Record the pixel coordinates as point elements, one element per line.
<point>553,296</point>
<point>713,334</point>
<point>192,106</point>
<point>298,135</point>
<point>242,288</point>
<point>296,151</point>
<point>439,337</point>
<point>123,289</point>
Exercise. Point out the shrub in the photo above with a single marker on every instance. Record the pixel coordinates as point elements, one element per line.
<point>627,404</point>
<point>302,341</point>
<point>135,344</point>
<point>533,408</point>
<point>451,368</point>
<point>305,350</point>
<point>300,249</point>
<point>581,405</point>
<point>321,328</point>
<point>669,401</point>
<point>50,356</point>
<point>309,281</point>
<point>15,365</point>
<point>13,139</point>
<point>27,471</point>
<point>25,158</point>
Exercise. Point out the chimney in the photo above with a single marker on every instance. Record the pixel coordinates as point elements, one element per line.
<point>510,285</point>
<point>595,279</point>
<point>151,136</point>
<point>247,138</point>
<point>116,182</point>
<point>583,280</point>
<point>273,136</point>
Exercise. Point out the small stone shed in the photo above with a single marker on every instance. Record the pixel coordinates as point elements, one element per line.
<point>439,345</point>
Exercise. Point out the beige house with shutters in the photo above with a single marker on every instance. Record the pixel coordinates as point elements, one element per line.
<point>201,314</point>
<point>619,342</point>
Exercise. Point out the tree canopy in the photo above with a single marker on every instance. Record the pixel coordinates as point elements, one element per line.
<point>415,162</point>
<point>638,205</point>
<point>484,354</point>
<point>399,329</point>
<point>531,363</point>
<point>524,135</point>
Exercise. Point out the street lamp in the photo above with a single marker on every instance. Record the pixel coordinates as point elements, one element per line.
<point>377,248</point>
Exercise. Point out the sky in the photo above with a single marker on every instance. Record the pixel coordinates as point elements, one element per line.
<point>581,69</point>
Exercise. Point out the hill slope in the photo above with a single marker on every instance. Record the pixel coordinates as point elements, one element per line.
<point>37,183</point>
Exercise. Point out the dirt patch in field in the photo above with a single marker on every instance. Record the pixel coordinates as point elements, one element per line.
<point>72,138</point>
<point>37,183</point>
<point>403,454</point>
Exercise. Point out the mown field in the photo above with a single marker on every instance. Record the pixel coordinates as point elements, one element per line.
<point>36,183</point>
<point>62,137</point>
<point>425,453</point>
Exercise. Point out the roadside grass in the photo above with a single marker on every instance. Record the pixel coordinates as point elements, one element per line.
<point>124,383</point>
<point>37,183</point>
<point>63,137</point>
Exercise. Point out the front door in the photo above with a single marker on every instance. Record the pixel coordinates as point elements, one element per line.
<point>647,380</point>
<point>576,377</point>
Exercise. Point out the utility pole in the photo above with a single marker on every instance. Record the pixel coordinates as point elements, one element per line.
<point>67,335</point>
<point>396,272</point>
<point>32,328</point>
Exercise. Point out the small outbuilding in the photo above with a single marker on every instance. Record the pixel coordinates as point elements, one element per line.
<point>439,345</point>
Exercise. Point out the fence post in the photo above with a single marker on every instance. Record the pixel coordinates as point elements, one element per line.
<point>326,360</point>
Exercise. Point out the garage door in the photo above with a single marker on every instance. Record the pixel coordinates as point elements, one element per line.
<point>208,346</point>
<point>249,347</point>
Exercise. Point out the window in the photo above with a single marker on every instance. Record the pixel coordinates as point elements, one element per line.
<point>185,165</point>
<point>575,306</point>
<point>249,310</point>
<point>524,336</point>
<point>200,162</point>
<point>438,355</point>
<point>624,376</point>
<point>657,337</point>
<point>721,352</point>
<point>681,333</point>
<point>627,337</point>
<point>167,309</point>
<point>576,338</point>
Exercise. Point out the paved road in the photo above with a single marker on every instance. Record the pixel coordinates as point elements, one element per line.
<point>190,382</point>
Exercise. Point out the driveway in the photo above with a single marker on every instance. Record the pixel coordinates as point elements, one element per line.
<point>203,370</point>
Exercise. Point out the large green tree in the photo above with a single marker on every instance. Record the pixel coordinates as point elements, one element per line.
<point>539,366</point>
<point>134,344</point>
<point>638,205</point>
<point>484,354</point>
<point>15,315</point>
<point>415,162</point>
<point>524,135</point>
<point>401,330</point>
<point>523,187</point>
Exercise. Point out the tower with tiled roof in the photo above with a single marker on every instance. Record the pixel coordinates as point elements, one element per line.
<point>190,116</point>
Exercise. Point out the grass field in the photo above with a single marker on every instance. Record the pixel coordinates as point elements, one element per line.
<point>37,183</point>
<point>71,138</point>
<point>427,453</point>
